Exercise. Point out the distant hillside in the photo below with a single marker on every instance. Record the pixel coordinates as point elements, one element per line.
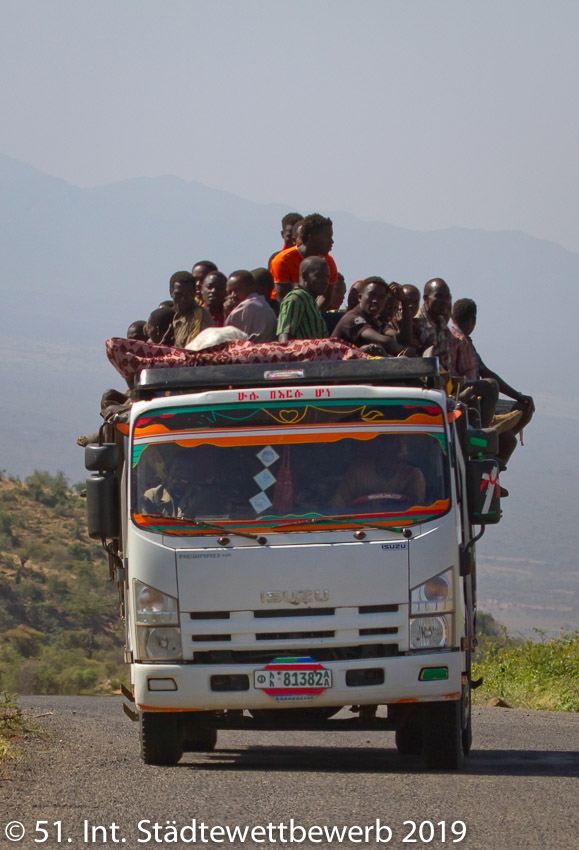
<point>59,626</point>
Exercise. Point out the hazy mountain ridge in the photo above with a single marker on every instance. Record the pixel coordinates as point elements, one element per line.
<point>78,265</point>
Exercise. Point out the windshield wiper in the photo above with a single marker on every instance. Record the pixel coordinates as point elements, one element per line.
<point>321,519</point>
<point>406,532</point>
<point>211,527</point>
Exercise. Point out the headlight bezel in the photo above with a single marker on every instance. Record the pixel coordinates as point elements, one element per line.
<point>419,642</point>
<point>153,607</point>
<point>429,599</point>
<point>146,635</point>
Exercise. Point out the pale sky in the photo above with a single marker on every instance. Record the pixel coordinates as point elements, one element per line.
<point>421,113</point>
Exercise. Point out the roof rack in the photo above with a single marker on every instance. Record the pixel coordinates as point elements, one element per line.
<point>405,371</point>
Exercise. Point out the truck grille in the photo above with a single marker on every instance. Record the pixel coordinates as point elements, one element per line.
<point>331,634</point>
<point>342,653</point>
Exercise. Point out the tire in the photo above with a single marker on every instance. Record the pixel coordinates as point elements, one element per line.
<point>160,736</point>
<point>409,740</point>
<point>443,735</point>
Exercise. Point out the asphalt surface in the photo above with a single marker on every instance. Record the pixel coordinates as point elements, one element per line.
<point>519,788</point>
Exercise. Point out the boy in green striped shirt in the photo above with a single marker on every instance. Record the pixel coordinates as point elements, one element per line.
<point>299,315</point>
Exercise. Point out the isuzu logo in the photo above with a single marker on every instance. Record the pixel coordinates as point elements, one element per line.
<point>295,597</point>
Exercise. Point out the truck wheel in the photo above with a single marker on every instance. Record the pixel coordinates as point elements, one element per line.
<point>160,738</point>
<point>443,735</point>
<point>409,740</point>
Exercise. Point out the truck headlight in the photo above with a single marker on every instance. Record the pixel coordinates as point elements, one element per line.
<point>434,596</point>
<point>159,644</point>
<point>153,607</point>
<point>429,632</point>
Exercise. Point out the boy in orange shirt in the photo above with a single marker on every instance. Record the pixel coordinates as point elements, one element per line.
<point>317,239</point>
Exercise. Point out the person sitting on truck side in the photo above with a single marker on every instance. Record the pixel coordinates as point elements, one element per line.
<point>247,310</point>
<point>316,233</point>
<point>381,467</point>
<point>299,315</point>
<point>287,232</point>
<point>435,337</point>
<point>412,295</point>
<point>264,286</point>
<point>199,270</point>
<point>158,323</point>
<point>463,323</point>
<point>398,315</point>
<point>363,324</point>
<point>213,291</point>
<point>354,295</point>
<point>431,321</point>
<point>190,317</point>
<point>112,401</point>
<point>136,330</point>
<point>334,311</point>
<point>476,392</point>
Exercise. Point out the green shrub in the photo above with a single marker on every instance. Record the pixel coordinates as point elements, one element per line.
<point>49,490</point>
<point>540,674</point>
<point>11,722</point>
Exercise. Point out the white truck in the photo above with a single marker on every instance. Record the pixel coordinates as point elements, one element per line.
<point>290,540</point>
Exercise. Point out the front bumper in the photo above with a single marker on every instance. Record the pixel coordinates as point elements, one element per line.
<point>192,684</point>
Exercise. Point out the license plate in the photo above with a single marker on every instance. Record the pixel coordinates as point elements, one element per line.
<point>292,680</point>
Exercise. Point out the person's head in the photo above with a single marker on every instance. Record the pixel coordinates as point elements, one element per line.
<point>437,299</point>
<point>136,330</point>
<point>181,473</point>
<point>394,449</point>
<point>168,304</point>
<point>263,281</point>
<point>373,292</point>
<point>354,295</point>
<point>182,291</point>
<point>337,293</point>
<point>317,234</point>
<point>199,270</point>
<point>412,295</point>
<point>287,226</point>
<point>297,232</point>
<point>158,323</point>
<point>213,291</point>
<point>240,284</point>
<point>464,315</point>
<point>314,275</point>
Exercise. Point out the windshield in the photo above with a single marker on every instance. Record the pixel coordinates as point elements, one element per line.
<point>278,466</point>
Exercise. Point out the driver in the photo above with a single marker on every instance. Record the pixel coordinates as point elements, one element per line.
<point>381,467</point>
<point>189,485</point>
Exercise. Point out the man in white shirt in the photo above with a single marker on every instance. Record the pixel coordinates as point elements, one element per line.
<point>248,310</point>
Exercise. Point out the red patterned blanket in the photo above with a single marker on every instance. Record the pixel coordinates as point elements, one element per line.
<point>130,356</point>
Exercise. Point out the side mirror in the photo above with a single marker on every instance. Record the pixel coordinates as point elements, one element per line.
<point>102,505</point>
<point>484,501</point>
<point>105,458</point>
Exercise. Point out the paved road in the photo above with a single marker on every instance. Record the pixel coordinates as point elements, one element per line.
<point>519,791</point>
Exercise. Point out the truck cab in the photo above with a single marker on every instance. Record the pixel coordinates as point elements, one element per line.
<point>291,540</point>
